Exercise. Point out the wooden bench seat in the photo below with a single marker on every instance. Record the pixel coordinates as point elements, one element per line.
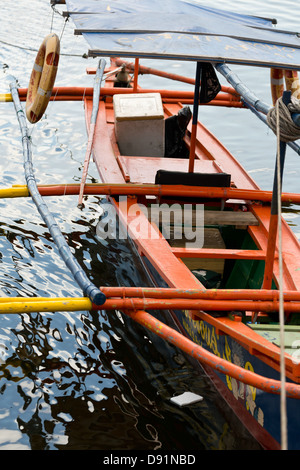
<point>144,169</point>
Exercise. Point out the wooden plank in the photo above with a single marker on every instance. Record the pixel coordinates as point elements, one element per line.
<point>144,169</point>
<point>123,168</point>
<point>211,217</point>
<point>212,240</point>
<point>229,218</point>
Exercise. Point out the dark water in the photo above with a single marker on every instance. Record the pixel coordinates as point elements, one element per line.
<point>94,380</point>
<point>91,380</point>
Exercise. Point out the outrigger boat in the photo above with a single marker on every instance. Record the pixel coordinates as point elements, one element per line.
<point>226,265</point>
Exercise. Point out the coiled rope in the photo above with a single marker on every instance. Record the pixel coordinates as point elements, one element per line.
<point>289,131</point>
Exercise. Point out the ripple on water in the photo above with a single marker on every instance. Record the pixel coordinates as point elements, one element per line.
<point>9,440</point>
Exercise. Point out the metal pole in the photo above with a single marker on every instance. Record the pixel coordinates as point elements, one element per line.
<point>195,117</point>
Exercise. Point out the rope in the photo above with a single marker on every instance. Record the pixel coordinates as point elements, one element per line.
<point>283,413</point>
<point>289,131</point>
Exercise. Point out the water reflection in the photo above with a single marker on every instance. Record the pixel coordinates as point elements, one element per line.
<point>93,380</point>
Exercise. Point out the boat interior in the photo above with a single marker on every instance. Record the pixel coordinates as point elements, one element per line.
<point>232,253</point>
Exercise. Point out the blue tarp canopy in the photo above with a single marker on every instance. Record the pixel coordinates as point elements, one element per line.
<point>182,30</point>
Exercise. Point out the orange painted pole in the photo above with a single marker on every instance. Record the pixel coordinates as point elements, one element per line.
<point>292,82</point>
<point>277,84</point>
<point>136,75</point>
<point>273,228</point>
<point>218,101</point>
<point>198,304</point>
<point>77,93</point>
<point>158,190</point>
<point>270,255</point>
<point>205,357</point>
<point>172,76</point>
<point>192,148</point>
<point>209,294</point>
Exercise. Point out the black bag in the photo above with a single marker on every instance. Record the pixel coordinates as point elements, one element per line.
<point>210,85</point>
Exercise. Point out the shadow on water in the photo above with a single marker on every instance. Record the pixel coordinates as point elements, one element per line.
<point>96,380</point>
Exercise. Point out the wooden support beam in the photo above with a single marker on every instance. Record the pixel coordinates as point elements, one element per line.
<point>211,253</point>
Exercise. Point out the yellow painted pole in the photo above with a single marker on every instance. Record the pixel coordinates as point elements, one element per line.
<point>42,304</point>
<point>40,299</point>
<point>5,97</point>
<point>14,191</point>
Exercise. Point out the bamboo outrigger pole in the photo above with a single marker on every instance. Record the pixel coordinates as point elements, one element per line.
<point>79,275</point>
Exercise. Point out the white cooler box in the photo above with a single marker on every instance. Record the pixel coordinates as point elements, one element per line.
<point>139,124</point>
